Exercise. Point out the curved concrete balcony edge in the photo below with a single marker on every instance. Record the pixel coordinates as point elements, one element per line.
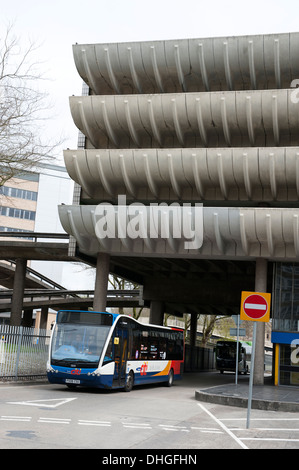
<point>220,119</point>
<point>227,233</point>
<point>249,173</point>
<point>199,64</point>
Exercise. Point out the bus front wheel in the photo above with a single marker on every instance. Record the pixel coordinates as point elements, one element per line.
<point>129,382</point>
<point>170,378</point>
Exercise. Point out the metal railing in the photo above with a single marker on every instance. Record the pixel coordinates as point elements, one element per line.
<point>31,295</point>
<point>34,235</point>
<point>23,352</point>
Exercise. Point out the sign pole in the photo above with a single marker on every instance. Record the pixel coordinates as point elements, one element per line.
<point>255,306</point>
<point>251,375</point>
<point>237,354</point>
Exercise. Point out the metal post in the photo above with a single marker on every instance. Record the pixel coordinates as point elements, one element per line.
<point>237,354</point>
<point>251,374</point>
<point>260,286</point>
<point>18,351</point>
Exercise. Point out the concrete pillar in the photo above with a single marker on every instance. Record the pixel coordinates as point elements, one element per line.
<point>101,282</point>
<point>156,312</point>
<point>27,318</point>
<point>193,336</point>
<point>260,286</point>
<point>193,330</point>
<point>43,318</point>
<point>18,292</point>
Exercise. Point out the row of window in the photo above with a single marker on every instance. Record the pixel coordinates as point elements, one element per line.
<point>17,213</point>
<point>18,193</point>
<point>149,343</point>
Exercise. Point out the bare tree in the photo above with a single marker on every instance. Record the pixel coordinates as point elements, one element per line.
<point>23,108</point>
<point>119,283</point>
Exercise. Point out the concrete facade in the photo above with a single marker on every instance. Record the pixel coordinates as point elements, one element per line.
<point>209,121</point>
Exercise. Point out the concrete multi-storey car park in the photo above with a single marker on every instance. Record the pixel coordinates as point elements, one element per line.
<point>209,121</point>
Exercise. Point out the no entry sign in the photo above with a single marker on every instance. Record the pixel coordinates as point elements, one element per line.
<point>255,306</point>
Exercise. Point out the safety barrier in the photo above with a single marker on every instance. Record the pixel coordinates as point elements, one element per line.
<point>23,352</point>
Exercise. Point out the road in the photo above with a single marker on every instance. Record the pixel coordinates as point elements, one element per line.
<point>44,416</point>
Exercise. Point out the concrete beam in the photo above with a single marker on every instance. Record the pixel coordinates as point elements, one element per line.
<point>156,313</point>
<point>221,293</point>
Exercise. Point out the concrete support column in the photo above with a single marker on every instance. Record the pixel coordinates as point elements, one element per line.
<point>43,318</point>
<point>260,286</point>
<point>101,282</point>
<point>193,330</point>
<point>193,335</point>
<point>18,292</point>
<point>27,318</point>
<point>156,312</point>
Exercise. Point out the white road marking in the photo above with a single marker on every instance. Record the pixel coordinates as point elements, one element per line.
<point>223,426</point>
<point>272,429</point>
<point>43,403</point>
<point>213,432</point>
<point>260,419</point>
<point>137,425</point>
<point>205,429</point>
<point>171,427</point>
<point>54,420</point>
<point>85,422</point>
<point>16,418</point>
<point>268,439</point>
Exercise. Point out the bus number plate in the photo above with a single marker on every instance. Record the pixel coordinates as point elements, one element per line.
<point>72,381</point>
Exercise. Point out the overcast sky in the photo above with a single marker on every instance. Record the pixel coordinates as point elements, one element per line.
<point>57,24</point>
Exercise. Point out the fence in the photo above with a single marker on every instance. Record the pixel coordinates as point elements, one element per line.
<point>23,352</point>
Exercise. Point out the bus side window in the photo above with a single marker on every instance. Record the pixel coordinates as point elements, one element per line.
<point>136,344</point>
<point>143,349</point>
<point>153,348</point>
<point>162,349</point>
<point>109,352</point>
<point>144,344</point>
<point>170,349</point>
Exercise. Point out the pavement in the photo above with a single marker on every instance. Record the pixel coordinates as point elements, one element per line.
<point>264,397</point>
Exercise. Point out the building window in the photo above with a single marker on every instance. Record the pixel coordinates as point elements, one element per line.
<point>81,140</point>
<point>285,308</point>
<point>18,193</point>
<point>289,366</point>
<point>17,213</point>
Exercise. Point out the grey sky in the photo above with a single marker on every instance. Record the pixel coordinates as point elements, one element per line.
<point>57,24</point>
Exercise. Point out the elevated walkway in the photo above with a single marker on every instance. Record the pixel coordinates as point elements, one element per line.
<point>73,299</point>
<point>33,280</point>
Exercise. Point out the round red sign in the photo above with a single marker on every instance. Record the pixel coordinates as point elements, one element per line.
<point>255,306</point>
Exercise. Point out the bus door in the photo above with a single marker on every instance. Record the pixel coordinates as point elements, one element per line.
<point>121,338</point>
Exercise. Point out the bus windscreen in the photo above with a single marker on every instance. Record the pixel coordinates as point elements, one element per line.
<point>79,338</point>
<point>84,318</point>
